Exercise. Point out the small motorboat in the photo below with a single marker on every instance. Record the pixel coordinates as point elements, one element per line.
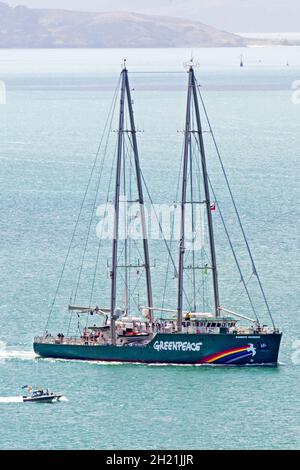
<point>41,396</point>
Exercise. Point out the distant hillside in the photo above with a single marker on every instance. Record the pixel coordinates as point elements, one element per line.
<point>21,27</point>
<point>272,39</point>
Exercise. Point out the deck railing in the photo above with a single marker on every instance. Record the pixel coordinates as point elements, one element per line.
<point>58,340</point>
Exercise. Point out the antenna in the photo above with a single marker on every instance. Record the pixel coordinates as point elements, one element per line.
<point>190,63</point>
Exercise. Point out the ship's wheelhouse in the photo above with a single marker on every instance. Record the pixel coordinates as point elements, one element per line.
<point>198,325</point>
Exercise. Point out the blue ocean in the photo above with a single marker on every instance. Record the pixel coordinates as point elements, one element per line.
<point>54,105</point>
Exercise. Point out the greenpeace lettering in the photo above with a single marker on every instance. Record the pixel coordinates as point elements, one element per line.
<point>176,346</point>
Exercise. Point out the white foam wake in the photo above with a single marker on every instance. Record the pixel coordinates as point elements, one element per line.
<point>20,399</point>
<point>6,354</point>
<point>11,399</point>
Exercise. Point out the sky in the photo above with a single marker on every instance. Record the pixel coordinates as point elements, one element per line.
<point>229,15</point>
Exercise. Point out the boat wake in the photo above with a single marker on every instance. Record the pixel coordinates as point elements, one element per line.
<point>63,398</point>
<point>82,361</point>
<point>8,354</point>
<point>11,399</point>
<point>8,400</point>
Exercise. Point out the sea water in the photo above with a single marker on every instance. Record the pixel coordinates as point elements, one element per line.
<point>50,128</point>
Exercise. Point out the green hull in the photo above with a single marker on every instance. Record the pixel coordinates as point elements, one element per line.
<point>214,349</point>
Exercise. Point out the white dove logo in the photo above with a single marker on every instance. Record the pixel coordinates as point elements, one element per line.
<point>251,349</point>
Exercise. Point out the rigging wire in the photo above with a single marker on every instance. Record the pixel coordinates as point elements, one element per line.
<point>102,228</point>
<point>111,115</point>
<point>98,251</point>
<point>236,298</point>
<point>161,229</point>
<point>235,207</point>
<point>233,251</point>
<point>195,143</point>
<point>93,209</point>
<point>193,216</point>
<point>172,228</point>
<point>82,205</point>
<point>134,243</point>
<point>204,256</point>
<point>229,239</point>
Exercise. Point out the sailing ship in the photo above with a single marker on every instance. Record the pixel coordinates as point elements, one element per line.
<point>189,335</point>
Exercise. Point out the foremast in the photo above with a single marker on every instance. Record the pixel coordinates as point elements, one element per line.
<point>192,99</point>
<point>125,96</point>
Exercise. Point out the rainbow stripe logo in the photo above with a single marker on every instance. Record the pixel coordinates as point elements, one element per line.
<point>230,356</point>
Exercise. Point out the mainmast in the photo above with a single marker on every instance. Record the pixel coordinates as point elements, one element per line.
<point>141,198</point>
<point>125,92</point>
<point>183,204</point>
<point>192,98</point>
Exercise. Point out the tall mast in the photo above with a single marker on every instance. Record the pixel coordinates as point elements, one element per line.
<point>183,204</point>
<point>125,90</point>
<point>141,198</point>
<point>207,198</point>
<point>193,97</point>
<point>117,210</point>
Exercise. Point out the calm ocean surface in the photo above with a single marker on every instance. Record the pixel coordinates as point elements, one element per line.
<point>50,127</point>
